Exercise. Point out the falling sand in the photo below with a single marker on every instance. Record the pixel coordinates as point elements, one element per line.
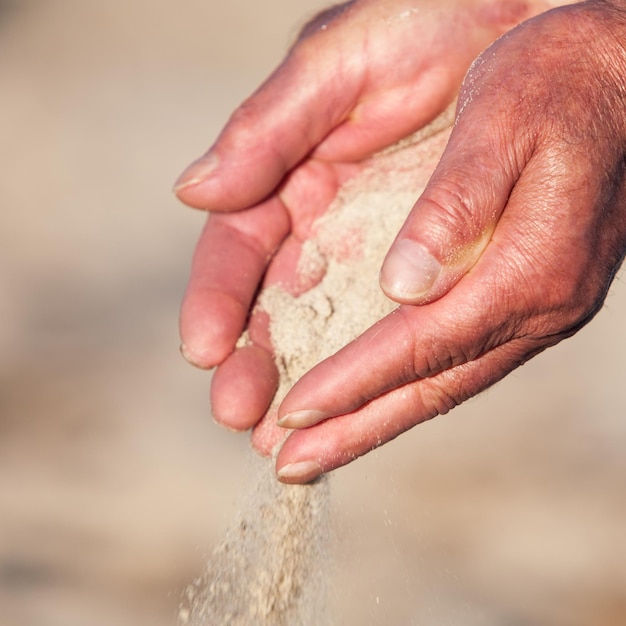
<point>271,568</point>
<point>268,569</point>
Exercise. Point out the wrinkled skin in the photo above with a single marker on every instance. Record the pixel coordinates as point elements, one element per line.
<point>510,249</point>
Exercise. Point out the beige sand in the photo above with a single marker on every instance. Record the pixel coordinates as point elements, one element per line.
<point>272,566</point>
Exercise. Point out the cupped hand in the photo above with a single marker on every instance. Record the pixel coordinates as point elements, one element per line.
<point>525,215</point>
<point>360,77</point>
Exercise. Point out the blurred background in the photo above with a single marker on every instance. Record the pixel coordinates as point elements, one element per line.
<point>114,481</point>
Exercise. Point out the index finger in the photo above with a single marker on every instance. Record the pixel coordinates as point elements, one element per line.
<point>410,344</point>
<point>228,264</point>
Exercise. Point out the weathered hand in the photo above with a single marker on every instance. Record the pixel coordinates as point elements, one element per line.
<point>361,76</point>
<point>526,213</point>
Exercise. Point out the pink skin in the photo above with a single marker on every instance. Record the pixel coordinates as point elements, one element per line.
<point>510,249</point>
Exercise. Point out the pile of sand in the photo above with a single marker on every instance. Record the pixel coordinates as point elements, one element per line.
<point>269,570</point>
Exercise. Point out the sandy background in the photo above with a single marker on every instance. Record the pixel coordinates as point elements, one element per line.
<point>113,479</point>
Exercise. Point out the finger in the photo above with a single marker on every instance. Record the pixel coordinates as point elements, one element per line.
<point>228,264</point>
<point>273,130</point>
<point>409,344</point>
<point>340,440</point>
<point>451,224</point>
<point>454,219</point>
<point>243,386</point>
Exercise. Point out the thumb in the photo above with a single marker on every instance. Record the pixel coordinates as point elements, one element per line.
<point>452,222</point>
<point>273,130</point>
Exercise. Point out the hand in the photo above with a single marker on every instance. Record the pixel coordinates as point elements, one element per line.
<point>361,76</point>
<point>525,215</point>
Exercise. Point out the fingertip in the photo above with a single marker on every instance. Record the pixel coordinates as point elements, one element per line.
<point>243,387</point>
<point>205,349</point>
<point>305,455</point>
<point>194,359</point>
<point>210,325</point>
<point>196,173</point>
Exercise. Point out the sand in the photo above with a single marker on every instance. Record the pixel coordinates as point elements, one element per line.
<point>270,568</point>
<point>348,247</point>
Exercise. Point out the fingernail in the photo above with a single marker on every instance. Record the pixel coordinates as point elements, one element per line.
<point>197,172</point>
<point>301,419</point>
<point>409,271</point>
<point>302,472</point>
<point>188,355</point>
<point>184,350</point>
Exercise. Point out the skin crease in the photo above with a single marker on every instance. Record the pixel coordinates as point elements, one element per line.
<point>526,218</point>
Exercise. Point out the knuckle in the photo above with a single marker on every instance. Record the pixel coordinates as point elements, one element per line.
<point>242,130</point>
<point>439,359</point>
<point>568,305</point>
<point>454,339</point>
<point>576,303</point>
<point>452,212</point>
<point>245,117</point>
<point>438,398</point>
<point>322,20</point>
